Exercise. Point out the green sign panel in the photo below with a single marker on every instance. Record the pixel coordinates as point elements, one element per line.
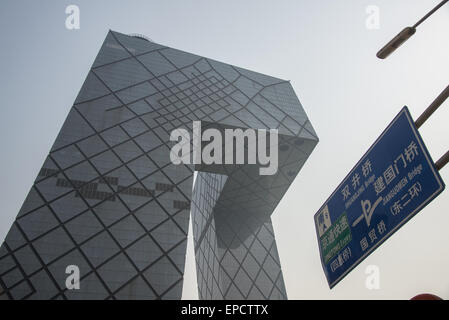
<point>335,238</point>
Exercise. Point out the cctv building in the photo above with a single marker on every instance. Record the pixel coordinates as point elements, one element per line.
<point>109,203</point>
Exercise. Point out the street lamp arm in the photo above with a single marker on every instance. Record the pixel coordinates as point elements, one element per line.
<point>396,42</point>
<point>405,34</point>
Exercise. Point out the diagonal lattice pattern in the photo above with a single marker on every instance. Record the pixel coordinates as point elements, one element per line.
<point>109,201</point>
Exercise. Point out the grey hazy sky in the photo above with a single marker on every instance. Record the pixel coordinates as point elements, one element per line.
<point>326,51</point>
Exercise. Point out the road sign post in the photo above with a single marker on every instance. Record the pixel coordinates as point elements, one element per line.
<point>392,182</point>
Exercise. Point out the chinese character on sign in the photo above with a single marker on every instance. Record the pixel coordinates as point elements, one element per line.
<point>396,208</point>
<point>337,229</point>
<point>411,151</point>
<point>366,168</point>
<point>340,260</point>
<point>414,190</point>
<point>324,242</point>
<point>331,236</point>
<point>345,192</point>
<point>355,181</point>
<point>372,235</point>
<point>346,254</point>
<point>379,185</point>
<point>344,223</point>
<point>404,163</point>
<point>381,227</point>
<point>389,174</point>
<point>405,203</point>
<point>335,265</point>
<point>364,244</point>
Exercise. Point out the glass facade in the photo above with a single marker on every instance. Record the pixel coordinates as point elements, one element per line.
<point>109,201</point>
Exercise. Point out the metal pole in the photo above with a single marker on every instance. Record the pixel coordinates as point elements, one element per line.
<point>430,13</point>
<point>426,115</point>
<point>432,108</point>
<point>442,161</point>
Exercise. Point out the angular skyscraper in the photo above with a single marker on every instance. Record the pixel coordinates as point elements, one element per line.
<point>109,202</point>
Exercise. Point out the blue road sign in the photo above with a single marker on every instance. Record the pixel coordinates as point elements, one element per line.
<point>392,182</point>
